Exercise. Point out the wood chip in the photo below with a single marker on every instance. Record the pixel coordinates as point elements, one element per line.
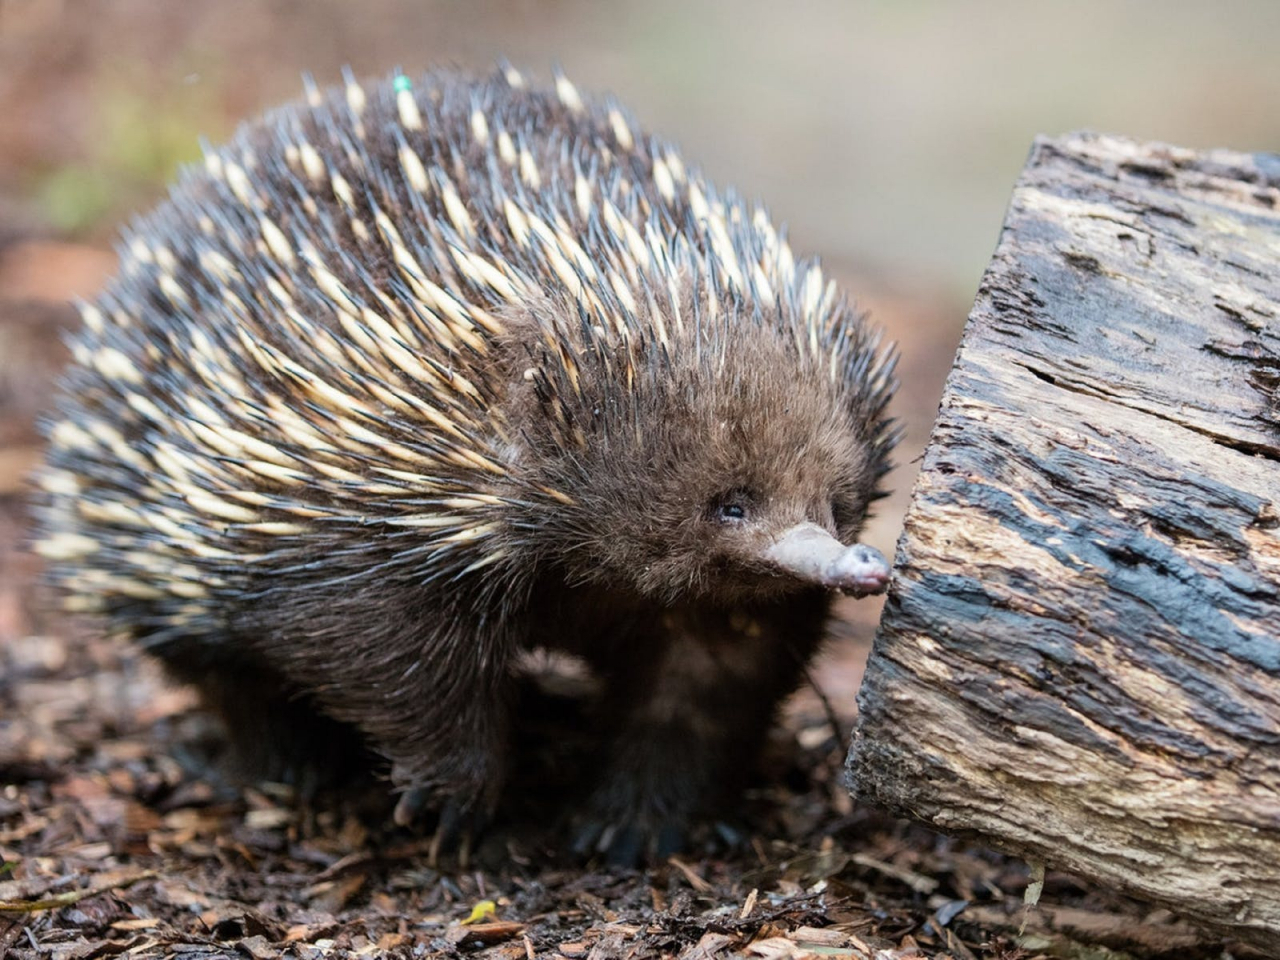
<point>259,948</point>
<point>820,936</point>
<point>138,923</point>
<point>695,881</point>
<point>484,933</point>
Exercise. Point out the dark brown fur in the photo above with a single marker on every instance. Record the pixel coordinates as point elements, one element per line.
<point>640,452</point>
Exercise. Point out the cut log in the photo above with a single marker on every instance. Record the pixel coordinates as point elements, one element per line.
<point>1079,658</point>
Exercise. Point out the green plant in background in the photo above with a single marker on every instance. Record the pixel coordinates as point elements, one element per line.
<point>139,141</point>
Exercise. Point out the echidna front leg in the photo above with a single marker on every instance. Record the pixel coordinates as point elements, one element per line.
<point>697,699</point>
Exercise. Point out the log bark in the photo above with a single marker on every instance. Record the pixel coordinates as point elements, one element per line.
<point>1079,658</point>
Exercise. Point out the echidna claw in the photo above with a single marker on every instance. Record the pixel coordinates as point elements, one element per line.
<point>458,824</point>
<point>433,849</point>
<point>626,845</point>
<point>585,841</point>
<point>410,807</point>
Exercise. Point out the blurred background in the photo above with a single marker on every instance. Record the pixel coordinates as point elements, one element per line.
<point>886,134</point>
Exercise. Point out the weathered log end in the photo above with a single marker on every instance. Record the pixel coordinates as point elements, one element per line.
<point>1079,660</point>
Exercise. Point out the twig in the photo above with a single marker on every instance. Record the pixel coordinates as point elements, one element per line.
<point>695,881</point>
<point>71,896</point>
<point>832,720</point>
<point>917,882</point>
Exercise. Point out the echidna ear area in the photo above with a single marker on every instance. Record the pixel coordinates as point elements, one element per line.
<point>304,342</point>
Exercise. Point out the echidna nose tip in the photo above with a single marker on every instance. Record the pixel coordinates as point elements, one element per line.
<point>811,554</point>
<point>859,570</point>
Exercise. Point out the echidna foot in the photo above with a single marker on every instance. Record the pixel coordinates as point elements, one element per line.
<point>628,844</point>
<point>459,822</point>
<point>631,819</point>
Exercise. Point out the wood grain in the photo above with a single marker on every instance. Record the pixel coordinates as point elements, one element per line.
<point>1079,659</point>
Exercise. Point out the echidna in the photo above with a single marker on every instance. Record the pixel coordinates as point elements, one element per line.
<point>411,377</point>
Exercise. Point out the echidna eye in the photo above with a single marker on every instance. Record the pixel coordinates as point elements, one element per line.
<point>731,507</point>
<point>733,511</point>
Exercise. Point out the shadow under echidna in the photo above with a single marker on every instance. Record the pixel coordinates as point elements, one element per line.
<point>409,379</point>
